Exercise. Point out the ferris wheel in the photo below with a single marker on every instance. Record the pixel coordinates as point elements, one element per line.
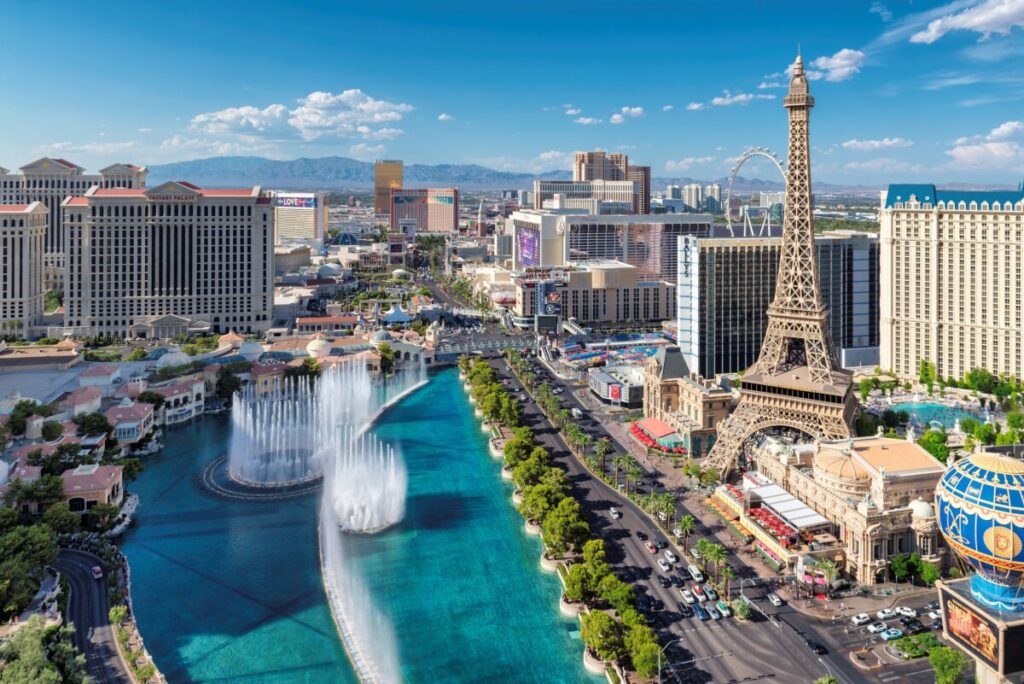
<point>766,221</point>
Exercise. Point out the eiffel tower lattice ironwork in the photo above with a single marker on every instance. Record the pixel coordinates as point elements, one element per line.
<point>796,381</point>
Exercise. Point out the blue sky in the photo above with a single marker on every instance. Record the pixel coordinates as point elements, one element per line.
<point>906,91</point>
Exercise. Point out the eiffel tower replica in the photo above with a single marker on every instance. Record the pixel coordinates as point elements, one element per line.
<point>796,382</point>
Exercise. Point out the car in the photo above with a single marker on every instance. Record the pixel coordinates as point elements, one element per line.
<point>657,604</point>
<point>774,599</point>
<point>684,609</point>
<point>661,543</point>
<point>695,573</point>
<point>932,605</point>
<point>664,565</point>
<point>710,593</point>
<point>914,628</point>
<point>715,615</point>
<point>641,535</point>
<point>651,548</point>
<point>877,627</point>
<point>906,620</point>
<point>699,593</point>
<point>702,614</point>
<point>614,512</point>
<point>890,634</point>
<point>642,603</point>
<point>860,619</point>
<point>695,553</point>
<point>664,581</point>
<point>687,596</point>
<point>906,611</point>
<point>97,572</point>
<point>723,608</point>
<point>815,647</point>
<point>671,557</point>
<point>934,615</point>
<point>885,614</point>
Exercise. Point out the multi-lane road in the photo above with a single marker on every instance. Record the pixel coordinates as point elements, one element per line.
<point>88,609</point>
<point>726,650</point>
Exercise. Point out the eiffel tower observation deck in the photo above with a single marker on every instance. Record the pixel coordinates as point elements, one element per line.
<point>796,382</point>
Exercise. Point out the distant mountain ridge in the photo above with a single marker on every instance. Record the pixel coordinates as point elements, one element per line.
<point>336,173</point>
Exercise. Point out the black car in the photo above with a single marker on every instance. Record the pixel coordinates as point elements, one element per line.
<point>677,581</point>
<point>641,536</point>
<point>661,543</point>
<point>934,605</point>
<point>815,647</point>
<point>657,604</point>
<point>907,621</point>
<point>913,627</point>
<point>664,581</point>
<point>684,609</point>
<point>642,603</point>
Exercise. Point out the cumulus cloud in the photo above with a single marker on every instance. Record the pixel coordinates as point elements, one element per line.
<point>445,117</point>
<point>633,111</point>
<point>881,10</point>
<point>765,85</point>
<point>616,119</point>
<point>178,144</point>
<point>667,108</point>
<point>884,165</point>
<point>1000,148</point>
<point>728,98</point>
<point>348,114</point>
<point>862,145</point>
<point>573,111</point>
<point>987,18</point>
<point>97,148</point>
<point>685,164</point>
<point>587,121</point>
<point>695,106</point>
<point>366,152</point>
<point>552,159</point>
<point>839,67</point>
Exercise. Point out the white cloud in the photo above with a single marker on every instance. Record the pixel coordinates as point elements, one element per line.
<point>1006,130</point>
<point>616,119</point>
<point>587,121</point>
<point>634,112</point>
<point>365,152</point>
<point>145,130</point>
<point>988,17</point>
<point>695,106</point>
<point>685,164</point>
<point>765,85</point>
<point>445,117</point>
<point>728,98</point>
<point>667,108</point>
<point>348,114</point>
<point>573,111</point>
<point>881,10</point>
<point>839,67</point>
<point>862,145</point>
<point>209,147</point>
<point>97,148</point>
<point>1000,148</point>
<point>552,159</point>
<point>884,165</point>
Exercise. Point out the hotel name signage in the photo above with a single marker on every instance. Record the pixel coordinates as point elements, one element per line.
<point>172,198</point>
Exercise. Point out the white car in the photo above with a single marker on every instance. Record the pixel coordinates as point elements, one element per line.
<point>885,614</point>
<point>935,615</point>
<point>687,596</point>
<point>774,599</point>
<point>671,557</point>
<point>877,628</point>
<point>695,573</point>
<point>860,619</point>
<point>614,512</point>
<point>664,565</point>
<point>906,611</point>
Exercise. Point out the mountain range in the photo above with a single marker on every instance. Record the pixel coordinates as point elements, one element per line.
<point>343,173</point>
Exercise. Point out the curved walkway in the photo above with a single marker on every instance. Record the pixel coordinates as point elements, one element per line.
<point>88,608</point>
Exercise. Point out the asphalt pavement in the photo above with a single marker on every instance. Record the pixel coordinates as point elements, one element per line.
<point>88,609</point>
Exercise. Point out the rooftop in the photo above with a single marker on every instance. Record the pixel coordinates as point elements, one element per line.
<point>929,194</point>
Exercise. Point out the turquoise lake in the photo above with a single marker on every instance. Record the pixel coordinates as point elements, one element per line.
<point>231,591</point>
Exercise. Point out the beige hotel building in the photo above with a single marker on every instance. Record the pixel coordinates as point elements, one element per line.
<point>169,259</point>
<point>49,181</point>
<point>22,232</point>
<point>952,280</point>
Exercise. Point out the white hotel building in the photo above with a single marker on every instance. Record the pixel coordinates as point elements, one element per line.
<point>952,280</point>
<point>163,261</point>
<point>22,232</point>
<point>49,181</point>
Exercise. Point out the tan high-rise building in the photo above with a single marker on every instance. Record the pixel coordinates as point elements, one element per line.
<point>952,283</point>
<point>22,236</point>
<point>49,181</point>
<point>387,176</point>
<point>600,166</point>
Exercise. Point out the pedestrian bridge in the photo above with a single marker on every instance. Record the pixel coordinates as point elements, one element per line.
<point>472,346</point>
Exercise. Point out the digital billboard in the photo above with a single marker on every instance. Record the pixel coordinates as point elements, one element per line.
<point>297,201</point>
<point>615,392</point>
<point>549,299</point>
<point>971,630</point>
<point>546,324</point>
<point>529,247</point>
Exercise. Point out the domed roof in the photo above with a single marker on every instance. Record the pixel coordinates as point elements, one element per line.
<point>251,350</point>
<point>921,509</point>
<point>232,338</point>
<point>380,336</point>
<point>981,515</point>
<point>839,465</point>
<point>318,346</point>
<point>173,358</point>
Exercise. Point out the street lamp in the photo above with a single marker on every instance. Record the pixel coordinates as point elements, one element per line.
<point>662,651</point>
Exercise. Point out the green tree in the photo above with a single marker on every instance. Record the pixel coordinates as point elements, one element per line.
<point>93,424</point>
<point>687,524</point>
<point>227,383</point>
<point>60,519</point>
<point>532,470</point>
<point>70,663</point>
<point>986,434</point>
<point>52,430</point>
<point>104,515</point>
<point>864,388</point>
<point>741,609</point>
<point>151,397</point>
<point>516,451</point>
<point>948,663</point>
<point>602,635</point>
<point>619,595</point>
<point>709,477</point>
<point>564,527</point>
<point>25,551</point>
<point>929,573</point>
<point>934,442</point>
<point>25,658</point>
<point>645,659</point>
<point>577,583</point>
<point>827,679</point>
<point>980,380</point>
<point>539,501</point>
<point>602,448</point>
<point>67,455</point>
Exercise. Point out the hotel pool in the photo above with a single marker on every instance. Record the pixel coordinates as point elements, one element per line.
<point>926,412</point>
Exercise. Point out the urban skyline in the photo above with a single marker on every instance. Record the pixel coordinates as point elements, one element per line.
<point>358,98</point>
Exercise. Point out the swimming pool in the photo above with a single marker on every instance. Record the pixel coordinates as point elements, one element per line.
<point>926,412</point>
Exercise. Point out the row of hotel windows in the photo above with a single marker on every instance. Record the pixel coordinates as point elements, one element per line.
<point>169,210</point>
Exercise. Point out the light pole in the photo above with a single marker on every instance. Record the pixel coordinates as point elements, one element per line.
<point>662,651</point>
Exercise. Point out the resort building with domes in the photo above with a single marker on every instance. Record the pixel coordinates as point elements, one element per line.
<point>872,497</point>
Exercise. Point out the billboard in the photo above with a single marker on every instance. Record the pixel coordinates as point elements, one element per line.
<point>297,201</point>
<point>409,199</point>
<point>546,324</point>
<point>528,242</point>
<point>615,392</point>
<point>441,199</point>
<point>971,630</point>
<point>549,299</point>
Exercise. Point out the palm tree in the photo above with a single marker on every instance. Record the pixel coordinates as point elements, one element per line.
<point>829,571</point>
<point>701,549</point>
<point>687,524</point>
<point>584,442</point>
<point>601,450</point>
<point>619,461</point>
<point>635,472</point>
<point>727,574</point>
<point>716,556</point>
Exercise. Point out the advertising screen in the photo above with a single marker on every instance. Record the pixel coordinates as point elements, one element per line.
<point>529,247</point>
<point>549,299</point>
<point>547,324</point>
<point>301,202</point>
<point>615,392</point>
<point>972,631</point>
<point>1013,649</point>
